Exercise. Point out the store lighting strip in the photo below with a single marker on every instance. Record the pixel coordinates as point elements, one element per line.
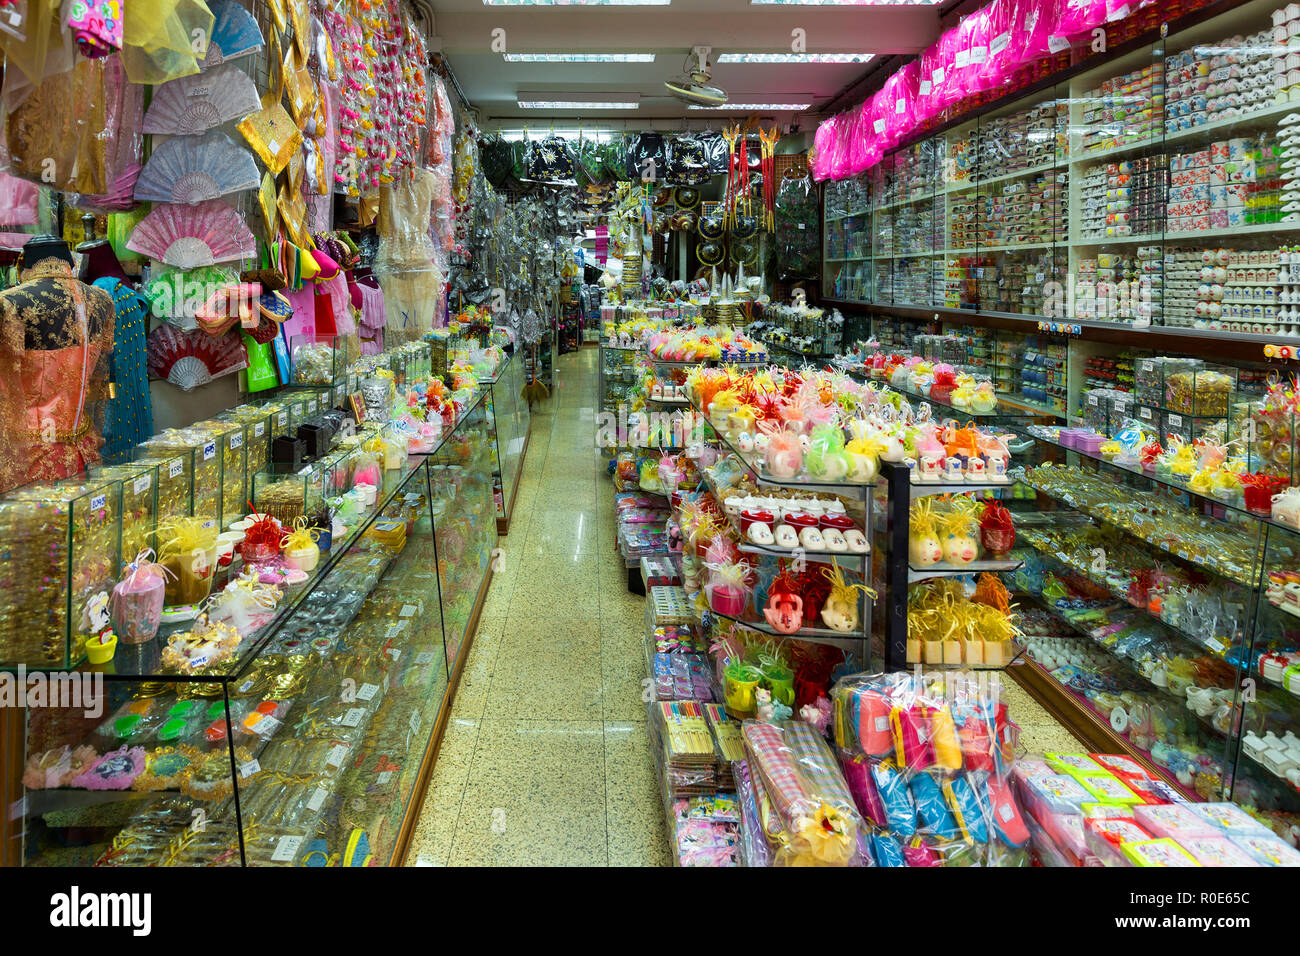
<point>576,3</point>
<point>846,3</point>
<point>565,105</point>
<point>753,107</point>
<point>795,57</point>
<point>578,57</point>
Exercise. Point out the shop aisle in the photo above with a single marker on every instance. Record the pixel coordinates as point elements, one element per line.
<point>546,758</point>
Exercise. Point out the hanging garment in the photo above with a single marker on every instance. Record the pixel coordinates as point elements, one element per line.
<point>404,261</point>
<point>129,417</point>
<point>56,334</point>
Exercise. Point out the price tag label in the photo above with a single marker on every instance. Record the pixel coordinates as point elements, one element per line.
<point>98,502</point>
<point>286,848</point>
<point>338,753</point>
<point>1144,413</point>
<point>408,610</point>
<point>395,629</point>
<point>267,726</point>
<point>415,722</point>
<point>282,419</point>
<point>353,717</point>
<point>259,429</point>
<point>142,484</point>
<point>367,691</point>
<point>209,450</point>
<point>937,75</point>
<point>1175,421</point>
<point>1214,644</point>
<point>1092,400</point>
<point>175,468</point>
<point>424,657</point>
<point>247,685</point>
<point>250,768</point>
<point>317,799</point>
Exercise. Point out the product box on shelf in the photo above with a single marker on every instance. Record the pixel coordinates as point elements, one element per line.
<point>174,481</point>
<point>231,441</point>
<point>139,497</point>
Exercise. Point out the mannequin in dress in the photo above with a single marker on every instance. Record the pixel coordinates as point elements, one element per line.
<point>56,336</point>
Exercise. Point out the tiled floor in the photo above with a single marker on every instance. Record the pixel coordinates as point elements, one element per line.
<point>546,759</point>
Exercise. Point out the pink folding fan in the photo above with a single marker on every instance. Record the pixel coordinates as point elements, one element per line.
<point>192,236</point>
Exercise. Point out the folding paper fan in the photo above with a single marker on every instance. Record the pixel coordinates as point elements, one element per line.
<point>234,33</point>
<point>191,359</point>
<point>192,169</point>
<point>190,236</point>
<point>195,104</point>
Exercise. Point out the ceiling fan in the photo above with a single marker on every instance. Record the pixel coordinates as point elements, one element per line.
<point>693,88</point>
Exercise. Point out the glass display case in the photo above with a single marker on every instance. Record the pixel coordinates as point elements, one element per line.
<point>302,741</point>
<point>620,372</point>
<point>508,420</point>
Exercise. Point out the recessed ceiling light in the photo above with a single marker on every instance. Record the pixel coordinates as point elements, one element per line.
<point>795,57</point>
<point>579,57</point>
<point>566,105</point>
<point>753,107</point>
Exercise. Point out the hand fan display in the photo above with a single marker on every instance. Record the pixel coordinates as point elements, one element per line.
<point>191,359</point>
<point>194,104</point>
<point>234,33</point>
<point>192,169</point>
<point>190,236</point>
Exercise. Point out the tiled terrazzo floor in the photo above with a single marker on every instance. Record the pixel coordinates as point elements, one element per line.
<point>546,759</point>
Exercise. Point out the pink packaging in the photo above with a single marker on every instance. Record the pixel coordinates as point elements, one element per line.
<point>927,102</point>
<point>1074,18</point>
<point>1001,62</point>
<point>902,103</point>
<point>972,52</point>
<point>945,90</point>
<point>859,141</point>
<point>1174,821</point>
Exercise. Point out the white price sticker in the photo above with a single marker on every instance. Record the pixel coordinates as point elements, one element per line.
<point>286,848</point>
<point>415,722</point>
<point>98,502</point>
<point>353,717</point>
<point>367,691</point>
<point>394,630</point>
<point>142,484</point>
<point>209,450</point>
<point>259,429</point>
<point>175,468</point>
<point>424,657</point>
<point>1175,421</point>
<point>250,768</point>
<point>317,799</point>
<point>408,610</point>
<point>267,726</point>
<point>282,419</point>
<point>236,441</point>
<point>338,753</point>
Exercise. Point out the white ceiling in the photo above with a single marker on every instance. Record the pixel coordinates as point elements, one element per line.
<point>465,31</point>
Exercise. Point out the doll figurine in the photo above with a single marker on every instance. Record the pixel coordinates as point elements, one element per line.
<point>959,541</point>
<point>840,612</point>
<point>923,548</point>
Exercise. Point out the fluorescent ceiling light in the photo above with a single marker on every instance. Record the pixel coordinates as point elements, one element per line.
<point>566,105</point>
<point>752,107</point>
<point>849,3</point>
<point>576,3</point>
<point>579,57</point>
<point>795,57</point>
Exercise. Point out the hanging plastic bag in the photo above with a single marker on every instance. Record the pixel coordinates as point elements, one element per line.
<point>57,135</point>
<point>798,231</point>
<point>158,38</point>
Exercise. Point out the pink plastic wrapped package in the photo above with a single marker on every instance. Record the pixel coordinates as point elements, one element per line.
<point>971,54</point>
<point>998,65</point>
<point>823,145</point>
<point>1032,24</point>
<point>902,106</point>
<point>927,102</point>
<point>945,90</point>
<point>1074,18</point>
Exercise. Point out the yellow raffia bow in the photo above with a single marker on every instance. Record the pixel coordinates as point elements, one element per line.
<point>301,537</point>
<point>184,536</point>
<point>826,838</point>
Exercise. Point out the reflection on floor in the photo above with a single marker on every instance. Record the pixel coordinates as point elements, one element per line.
<point>546,759</point>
